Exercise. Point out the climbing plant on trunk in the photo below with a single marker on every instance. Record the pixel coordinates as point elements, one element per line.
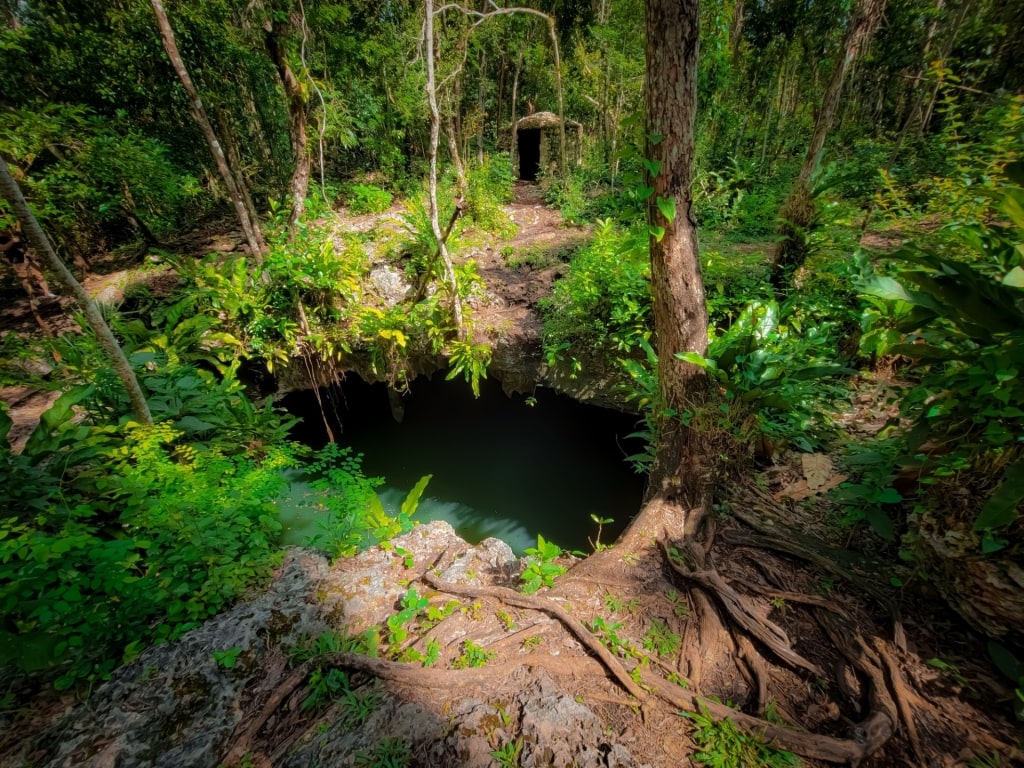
<point>11,192</point>
<point>679,491</point>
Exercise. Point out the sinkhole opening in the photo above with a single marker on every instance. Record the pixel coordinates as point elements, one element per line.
<point>509,467</point>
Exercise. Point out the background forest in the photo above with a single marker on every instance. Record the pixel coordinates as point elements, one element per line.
<point>857,186</point>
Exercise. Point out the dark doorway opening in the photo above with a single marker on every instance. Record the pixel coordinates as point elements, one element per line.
<point>529,154</point>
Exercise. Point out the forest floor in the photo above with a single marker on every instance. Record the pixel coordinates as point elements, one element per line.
<point>814,632</point>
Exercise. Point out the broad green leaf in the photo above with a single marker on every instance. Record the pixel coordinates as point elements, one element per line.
<point>1006,661</point>
<point>1002,507</point>
<point>886,288</point>
<point>412,500</point>
<point>879,522</point>
<point>922,352</point>
<point>193,424</point>
<point>695,358</point>
<point>653,167</point>
<point>1015,277</point>
<point>667,206</point>
<point>657,232</point>
<point>644,192</point>
<point>5,424</point>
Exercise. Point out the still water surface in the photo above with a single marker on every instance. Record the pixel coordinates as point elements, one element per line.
<point>501,466</point>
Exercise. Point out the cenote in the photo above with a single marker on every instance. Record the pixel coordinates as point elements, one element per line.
<point>510,467</point>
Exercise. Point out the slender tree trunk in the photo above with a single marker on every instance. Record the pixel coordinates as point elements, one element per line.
<point>512,107</point>
<point>297,118</point>
<point>736,30</point>
<point>453,149</point>
<point>926,117</point>
<point>481,104</point>
<point>499,99</point>
<point>435,136</point>
<point>10,192</point>
<point>679,490</point>
<point>250,227</point>
<point>799,209</point>
<point>562,155</point>
<point>235,164</point>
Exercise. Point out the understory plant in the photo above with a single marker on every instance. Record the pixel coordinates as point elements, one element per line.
<point>114,537</point>
<point>721,744</point>
<point>959,316</point>
<point>541,569</point>
<point>776,369</point>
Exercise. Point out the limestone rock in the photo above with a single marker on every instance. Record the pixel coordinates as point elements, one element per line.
<point>176,706</point>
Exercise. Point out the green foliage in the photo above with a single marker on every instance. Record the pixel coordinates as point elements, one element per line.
<point>508,755</point>
<point>661,639</point>
<point>603,305</point>
<point>567,194</point>
<point>739,199</point>
<point>128,539</point>
<point>775,370</point>
<point>389,753</point>
<point>228,659</point>
<point>541,569</point>
<point>723,745</point>
<point>961,320</point>
<point>354,517</point>
<point>488,187</point>
<point>469,361</point>
<point>871,495</point>
<point>472,656</point>
<point>87,174</point>
<point>367,198</point>
<point>608,632</point>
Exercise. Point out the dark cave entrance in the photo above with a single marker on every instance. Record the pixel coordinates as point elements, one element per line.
<point>529,153</point>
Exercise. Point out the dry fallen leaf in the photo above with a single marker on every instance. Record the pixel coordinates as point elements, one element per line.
<point>817,469</point>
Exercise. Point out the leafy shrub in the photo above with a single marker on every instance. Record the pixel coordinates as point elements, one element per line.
<point>489,186</point>
<point>355,516</point>
<point>962,322</point>
<point>367,198</point>
<point>604,302</point>
<point>775,370</point>
<point>124,541</point>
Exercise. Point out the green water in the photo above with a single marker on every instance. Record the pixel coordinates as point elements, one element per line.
<point>501,466</point>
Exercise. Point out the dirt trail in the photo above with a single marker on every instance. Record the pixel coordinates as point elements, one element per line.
<point>537,255</point>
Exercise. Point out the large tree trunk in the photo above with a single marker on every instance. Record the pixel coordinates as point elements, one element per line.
<point>679,490</point>
<point>297,118</point>
<point>10,192</point>
<point>799,209</point>
<point>250,227</point>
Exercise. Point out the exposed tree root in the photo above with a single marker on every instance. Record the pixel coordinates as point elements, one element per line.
<point>758,671</point>
<point>816,747</point>
<point>881,722</point>
<point>902,696</point>
<point>518,600</point>
<point>746,615</point>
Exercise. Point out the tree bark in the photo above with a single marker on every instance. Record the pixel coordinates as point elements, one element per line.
<point>297,119</point>
<point>11,192</point>
<point>514,150</point>
<point>678,490</point>
<point>798,210</point>
<point>250,227</point>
